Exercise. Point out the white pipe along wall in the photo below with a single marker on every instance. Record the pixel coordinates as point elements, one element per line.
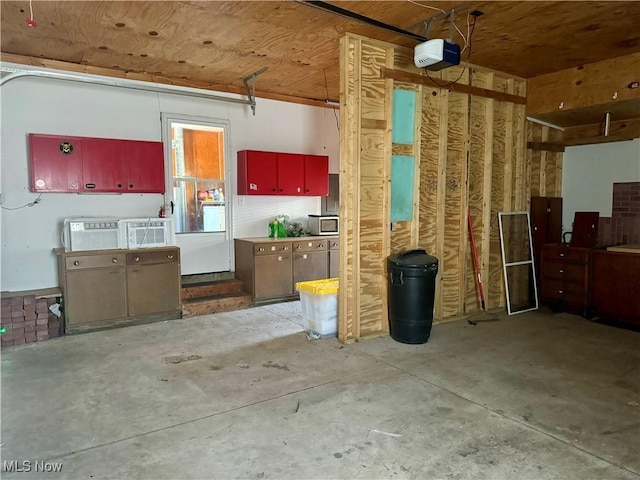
<point>48,106</point>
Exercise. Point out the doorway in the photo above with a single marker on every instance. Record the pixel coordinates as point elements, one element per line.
<point>197,166</point>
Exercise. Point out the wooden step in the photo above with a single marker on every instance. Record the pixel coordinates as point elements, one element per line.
<point>194,307</point>
<point>211,289</point>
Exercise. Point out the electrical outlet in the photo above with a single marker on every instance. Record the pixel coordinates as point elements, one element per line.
<point>240,199</point>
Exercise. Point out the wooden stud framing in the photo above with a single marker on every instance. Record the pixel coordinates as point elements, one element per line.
<point>471,155</point>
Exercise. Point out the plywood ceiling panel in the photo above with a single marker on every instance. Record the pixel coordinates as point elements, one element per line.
<point>222,42</point>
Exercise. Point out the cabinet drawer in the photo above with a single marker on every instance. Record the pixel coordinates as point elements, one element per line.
<point>310,245</point>
<point>577,256</point>
<point>551,289</point>
<point>146,258</point>
<point>334,244</point>
<point>553,253</point>
<point>552,271</point>
<point>93,261</point>
<point>271,248</point>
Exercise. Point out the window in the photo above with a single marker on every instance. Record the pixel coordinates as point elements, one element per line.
<point>198,177</point>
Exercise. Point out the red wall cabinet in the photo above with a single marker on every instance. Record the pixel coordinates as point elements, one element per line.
<point>316,175</point>
<point>274,173</point>
<point>82,164</point>
<point>145,167</point>
<point>56,163</point>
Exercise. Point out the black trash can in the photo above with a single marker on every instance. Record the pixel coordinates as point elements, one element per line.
<point>412,285</point>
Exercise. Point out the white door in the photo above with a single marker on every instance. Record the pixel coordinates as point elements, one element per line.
<point>197,166</point>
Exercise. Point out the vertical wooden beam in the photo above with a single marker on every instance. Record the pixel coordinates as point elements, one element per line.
<point>348,297</point>
<point>544,160</point>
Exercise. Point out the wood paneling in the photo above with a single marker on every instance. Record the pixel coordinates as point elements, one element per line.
<point>601,83</point>
<point>471,157</point>
<point>219,43</point>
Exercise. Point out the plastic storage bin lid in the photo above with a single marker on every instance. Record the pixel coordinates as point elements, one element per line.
<point>320,287</point>
<point>413,259</point>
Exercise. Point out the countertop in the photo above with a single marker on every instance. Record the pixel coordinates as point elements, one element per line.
<point>629,248</point>
<point>286,239</point>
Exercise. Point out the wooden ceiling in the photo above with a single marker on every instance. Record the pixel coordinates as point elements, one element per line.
<point>216,44</point>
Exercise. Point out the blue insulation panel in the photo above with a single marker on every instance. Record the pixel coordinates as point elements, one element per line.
<point>403,169</point>
<point>403,121</point>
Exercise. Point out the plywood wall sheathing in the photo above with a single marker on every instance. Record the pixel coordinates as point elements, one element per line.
<point>470,156</point>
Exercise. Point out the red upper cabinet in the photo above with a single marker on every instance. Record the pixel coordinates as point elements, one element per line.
<point>56,163</point>
<point>257,173</point>
<point>103,165</point>
<point>83,164</point>
<point>290,174</point>
<point>145,167</point>
<point>316,175</point>
<point>275,173</point>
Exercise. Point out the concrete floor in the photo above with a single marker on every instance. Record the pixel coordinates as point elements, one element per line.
<point>247,395</point>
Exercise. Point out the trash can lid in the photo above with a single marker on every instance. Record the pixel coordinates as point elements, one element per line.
<point>413,258</point>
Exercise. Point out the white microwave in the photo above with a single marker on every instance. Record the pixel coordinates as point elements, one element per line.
<point>324,224</point>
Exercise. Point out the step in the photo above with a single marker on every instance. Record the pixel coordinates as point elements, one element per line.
<point>215,304</point>
<point>198,278</point>
<point>210,289</point>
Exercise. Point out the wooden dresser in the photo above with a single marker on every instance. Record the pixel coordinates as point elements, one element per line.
<point>565,278</point>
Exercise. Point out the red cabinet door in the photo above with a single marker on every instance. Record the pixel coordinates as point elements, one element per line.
<point>103,165</point>
<point>290,174</point>
<point>316,175</point>
<point>257,173</point>
<point>56,163</point>
<point>144,167</point>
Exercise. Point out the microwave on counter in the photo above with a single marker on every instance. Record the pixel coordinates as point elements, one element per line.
<point>324,224</point>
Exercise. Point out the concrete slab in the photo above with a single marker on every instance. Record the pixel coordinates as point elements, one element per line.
<point>246,395</point>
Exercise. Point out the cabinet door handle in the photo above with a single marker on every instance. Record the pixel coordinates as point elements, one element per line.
<point>280,189</point>
<point>322,245</point>
<point>114,260</point>
<point>561,271</point>
<point>137,259</point>
<point>286,248</point>
<point>299,247</point>
<point>261,249</point>
<point>76,263</point>
<point>560,291</point>
<point>170,256</point>
<point>562,254</point>
<point>131,185</point>
<point>119,185</point>
<point>275,190</point>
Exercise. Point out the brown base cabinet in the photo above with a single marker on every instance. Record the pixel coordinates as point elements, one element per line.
<point>106,288</point>
<point>334,258</point>
<point>270,267</point>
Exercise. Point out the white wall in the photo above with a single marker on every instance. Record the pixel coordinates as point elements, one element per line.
<point>50,106</point>
<point>588,175</point>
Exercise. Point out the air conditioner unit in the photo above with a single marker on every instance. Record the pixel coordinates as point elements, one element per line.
<point>147,232</point>
<point>81,234</point>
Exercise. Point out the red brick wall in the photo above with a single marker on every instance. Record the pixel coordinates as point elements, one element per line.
<point>624,224</point>
<point>28,319</point>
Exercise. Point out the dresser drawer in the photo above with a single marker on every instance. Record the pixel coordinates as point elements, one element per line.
<point>552,271</point>
<point>147,258</point>
<point>271,248</point>
<point>310,245</point>
<point>579,256</point>
<point>551,289</point>
<point>553,253</point>
<point>93,261</point>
